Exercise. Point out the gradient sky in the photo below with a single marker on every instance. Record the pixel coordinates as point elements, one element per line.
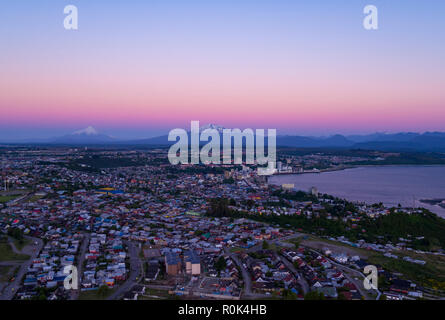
<point>140,68</point>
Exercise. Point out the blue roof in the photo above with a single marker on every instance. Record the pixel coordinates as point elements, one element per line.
<point>172,258</point>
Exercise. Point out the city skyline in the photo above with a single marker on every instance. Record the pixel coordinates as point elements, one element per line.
<point>138,69</point>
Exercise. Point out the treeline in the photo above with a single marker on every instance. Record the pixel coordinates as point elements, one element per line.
<point>424,231</point>
<point>295,195</point>
<point>407,159</point>
<point>219,208</point>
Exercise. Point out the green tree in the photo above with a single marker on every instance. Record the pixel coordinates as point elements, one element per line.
<point>289,295</point>
<point>220,264</point>
<point>314,295</point>
<point>297,243</point>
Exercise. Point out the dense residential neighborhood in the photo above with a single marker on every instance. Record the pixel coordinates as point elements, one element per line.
<point>130,226</point>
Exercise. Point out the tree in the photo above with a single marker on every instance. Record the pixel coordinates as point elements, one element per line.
<point>341,296</point>
<point>314,295</point>
<point>297,243</point>
<point>265,245</point>
<point>15,233</point>
<point>220,264</point>
<point>289,294</point>
<point>219,208</point>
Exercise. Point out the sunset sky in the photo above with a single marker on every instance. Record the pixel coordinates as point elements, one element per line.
<point>141,68</point>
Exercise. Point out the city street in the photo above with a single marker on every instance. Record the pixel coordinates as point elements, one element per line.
<point>10,290</point>
<point>135,272</point>
<point>80,258</point>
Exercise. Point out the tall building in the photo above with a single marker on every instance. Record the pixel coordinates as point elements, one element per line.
<point>172,263</point>
<point>313,191</point>
<point>192,263</point>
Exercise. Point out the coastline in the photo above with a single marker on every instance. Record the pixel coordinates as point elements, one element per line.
<point>356,167</point>
<point>370,194</point>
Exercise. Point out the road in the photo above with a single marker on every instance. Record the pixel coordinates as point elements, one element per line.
<point>13,247</point>
<point>247,292</point>
<point>11,289</point>
<point>21,198</point>
<point>135,272</point>
<point>80,258</point>
<point>282,242</point>
<point>346,271</point>
<point>303,283</point>
<point>246,277</point>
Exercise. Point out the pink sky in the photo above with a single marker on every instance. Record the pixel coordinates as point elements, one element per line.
<point>275,65</point>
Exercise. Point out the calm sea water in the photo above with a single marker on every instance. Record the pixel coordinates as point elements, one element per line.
<point>389,184</point>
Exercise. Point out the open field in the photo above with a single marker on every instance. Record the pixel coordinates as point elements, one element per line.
<point>7,254</point>
<point>20,244</point>
<point>34,198</point>
<point>4,199</point>
<point>95,294</point>
<point>155,294</point>
<point>335,246</point>
<point>423,274</point>
<point>4,273</point>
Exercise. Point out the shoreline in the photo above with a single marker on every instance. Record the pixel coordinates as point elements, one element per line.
<point>356,167</point>
<point>436,209</point>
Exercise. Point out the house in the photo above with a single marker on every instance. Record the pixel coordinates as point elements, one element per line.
<point>328,292</point>
<point>192,263</point>
<point>152,270</point>
<point>172,263</point>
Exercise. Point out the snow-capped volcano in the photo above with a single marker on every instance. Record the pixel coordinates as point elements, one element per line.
<point>88,135</point>
<point>212,126</point>
<point>89,131</point>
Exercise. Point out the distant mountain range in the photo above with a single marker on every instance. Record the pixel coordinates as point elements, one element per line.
<point>425,142</point>
<point>409,141</point>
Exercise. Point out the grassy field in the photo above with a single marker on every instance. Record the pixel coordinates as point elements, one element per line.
<point>154,294</point>
<point>94,294</point>
<point>431,275</point>
<point>34,198</point>
<point>4,273</point>
<point>272,246</point>
<point>6,253</point>
<point>4,199</point>
<point>335,246</point>
<point>20,244</point>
